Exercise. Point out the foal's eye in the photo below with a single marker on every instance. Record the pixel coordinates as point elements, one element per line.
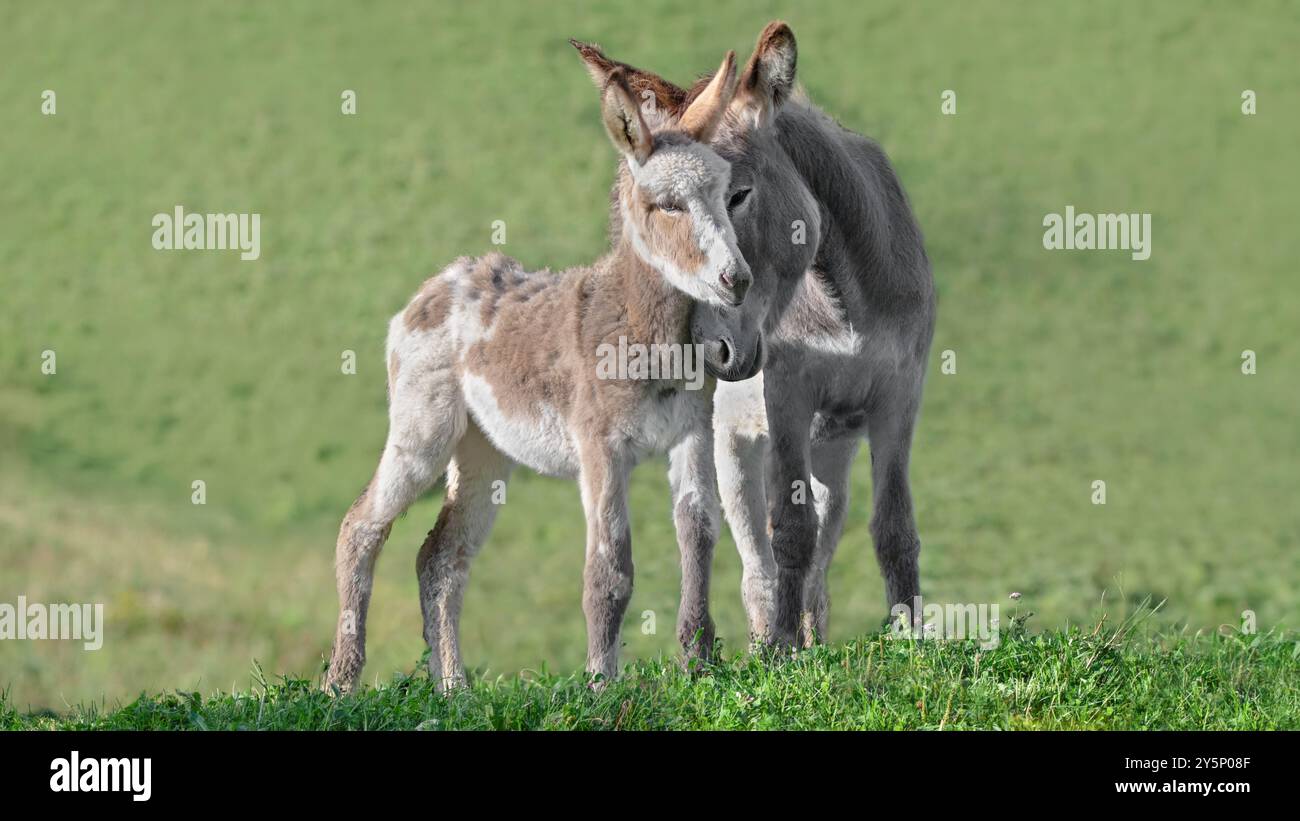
<point>737,198</point>
<point>669,208</point>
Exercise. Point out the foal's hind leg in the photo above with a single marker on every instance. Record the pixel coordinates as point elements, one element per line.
<point>893,526</point>
<point>476,483</point>
<point>832,463</point>
<point>402,476</point>
<point>426,419</point>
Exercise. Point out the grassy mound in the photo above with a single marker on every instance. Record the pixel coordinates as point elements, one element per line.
<point>1072,679</point>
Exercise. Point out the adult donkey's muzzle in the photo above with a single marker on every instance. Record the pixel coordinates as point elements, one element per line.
<point>733,348</point>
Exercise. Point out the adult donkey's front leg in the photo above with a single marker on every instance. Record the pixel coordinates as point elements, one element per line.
<point>607,577</point>
<point>832,463</point>
<point>696,517</point>
<point>740,455</point>
<point>794,521</point>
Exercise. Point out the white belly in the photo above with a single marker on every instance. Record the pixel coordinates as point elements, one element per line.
<point>539,441</point>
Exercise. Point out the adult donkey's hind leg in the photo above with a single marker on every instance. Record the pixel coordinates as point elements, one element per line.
<point>893,526</point>
<point>476,482</point>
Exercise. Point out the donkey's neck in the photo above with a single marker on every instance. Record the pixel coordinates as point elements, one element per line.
<point>656,311</point>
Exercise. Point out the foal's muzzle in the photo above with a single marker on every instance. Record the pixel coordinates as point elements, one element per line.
<point>734,282</point>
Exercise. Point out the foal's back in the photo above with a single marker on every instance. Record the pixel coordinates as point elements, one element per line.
<point>505,336</point>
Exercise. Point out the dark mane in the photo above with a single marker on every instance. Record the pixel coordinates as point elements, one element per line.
<point>853,180</point>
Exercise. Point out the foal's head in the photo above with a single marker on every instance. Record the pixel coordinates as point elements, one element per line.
<point>773,213</point>
<point>672,205</point>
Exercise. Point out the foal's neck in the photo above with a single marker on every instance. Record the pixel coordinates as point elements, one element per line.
<point>656,311</point>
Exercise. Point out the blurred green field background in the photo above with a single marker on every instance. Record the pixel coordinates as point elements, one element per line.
<point>178,366</point>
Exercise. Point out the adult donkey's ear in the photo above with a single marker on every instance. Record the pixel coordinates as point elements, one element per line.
<point>768,79</point>
<point>646,86</point>
<point>702,116</point>
<point>623,121</point>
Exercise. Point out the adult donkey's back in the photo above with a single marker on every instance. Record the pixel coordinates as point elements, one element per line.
<point>844,290</point>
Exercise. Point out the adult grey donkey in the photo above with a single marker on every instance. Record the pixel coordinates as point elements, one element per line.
<point>843,287</point>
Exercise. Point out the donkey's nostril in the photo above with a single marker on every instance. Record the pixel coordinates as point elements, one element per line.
<point>726,279</point>
<point>724,352</point>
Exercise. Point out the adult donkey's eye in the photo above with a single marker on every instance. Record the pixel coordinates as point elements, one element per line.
<point>737,198</point>
<point>669,208</point>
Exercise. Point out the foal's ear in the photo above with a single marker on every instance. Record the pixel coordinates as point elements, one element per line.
<point>768,78</point>
<point>623,121</point>
<point>598,65</point>
<point>703,115</point>
<point>646,86</point>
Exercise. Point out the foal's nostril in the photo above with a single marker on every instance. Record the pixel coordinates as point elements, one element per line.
<point>726,279</point>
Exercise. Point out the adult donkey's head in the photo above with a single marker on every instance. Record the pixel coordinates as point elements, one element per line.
<point>776,218</point>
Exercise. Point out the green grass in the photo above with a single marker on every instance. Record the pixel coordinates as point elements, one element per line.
<point>1071,679</point>
<point>181,366</point>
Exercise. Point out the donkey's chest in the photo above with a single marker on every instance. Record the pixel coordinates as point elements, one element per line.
<point>663,417</point>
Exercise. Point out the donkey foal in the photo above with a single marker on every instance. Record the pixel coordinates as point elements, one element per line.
<point>490,365</point>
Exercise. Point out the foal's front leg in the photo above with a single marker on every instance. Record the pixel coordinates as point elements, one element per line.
<point>607,577</point>
<point>696,516</point>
